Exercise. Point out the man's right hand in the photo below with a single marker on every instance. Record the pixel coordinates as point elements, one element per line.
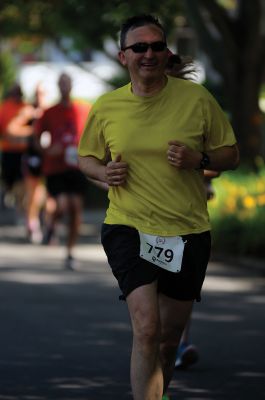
<point>116,172</point>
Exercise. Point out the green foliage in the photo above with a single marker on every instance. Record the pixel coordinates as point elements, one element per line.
<point>238,213</point>
<point>28,17</point>
<point>7,72</point>
<point>89,23</point>
<point>103,18</point>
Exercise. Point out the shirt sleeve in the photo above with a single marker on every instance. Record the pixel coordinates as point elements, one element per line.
<point>92,141</point>
<point>218,130</point>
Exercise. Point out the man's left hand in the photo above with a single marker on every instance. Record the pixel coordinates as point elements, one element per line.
<point>181,156</point>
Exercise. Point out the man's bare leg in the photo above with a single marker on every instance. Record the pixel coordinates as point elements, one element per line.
<point>146,371</point>
<point>174,315</point>
<point>75,206</point>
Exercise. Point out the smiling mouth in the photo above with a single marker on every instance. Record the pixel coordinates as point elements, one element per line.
<point>149,65</point>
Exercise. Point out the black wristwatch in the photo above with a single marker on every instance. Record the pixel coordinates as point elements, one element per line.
<point>205,161</point>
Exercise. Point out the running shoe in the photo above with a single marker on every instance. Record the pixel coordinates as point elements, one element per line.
<point>69,263</point>
<point>187,355</point>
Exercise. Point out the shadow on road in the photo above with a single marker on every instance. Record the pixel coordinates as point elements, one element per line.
<point>65,336</point>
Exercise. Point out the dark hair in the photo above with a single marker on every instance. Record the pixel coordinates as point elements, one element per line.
<point>136,22</point>
<point>180,67</point>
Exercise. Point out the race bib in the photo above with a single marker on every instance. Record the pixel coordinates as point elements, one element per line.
<point>164,251</point>
<point>71,156</point>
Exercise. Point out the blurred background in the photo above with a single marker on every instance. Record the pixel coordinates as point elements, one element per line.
<point>40,39</point>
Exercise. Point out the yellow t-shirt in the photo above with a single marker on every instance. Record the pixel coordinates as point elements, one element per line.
<point>157,198</point>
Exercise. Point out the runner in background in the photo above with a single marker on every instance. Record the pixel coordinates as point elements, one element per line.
<point>184,68</point>
<point>32,168</point>
<point>59,129</point>
<point>15,130</point>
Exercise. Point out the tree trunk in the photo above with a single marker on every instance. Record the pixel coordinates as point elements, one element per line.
<point>247,117</point>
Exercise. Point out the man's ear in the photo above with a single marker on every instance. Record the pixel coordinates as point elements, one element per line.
<point>122,58</point>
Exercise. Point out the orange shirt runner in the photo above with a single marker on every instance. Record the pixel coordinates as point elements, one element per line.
<point>8,110</point>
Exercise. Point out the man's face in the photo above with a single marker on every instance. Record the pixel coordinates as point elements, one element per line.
<point>150,65</point>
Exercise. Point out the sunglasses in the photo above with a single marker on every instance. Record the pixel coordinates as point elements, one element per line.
<point>142,47</point>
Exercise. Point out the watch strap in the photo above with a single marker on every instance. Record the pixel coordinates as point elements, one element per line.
<point>205,161</point>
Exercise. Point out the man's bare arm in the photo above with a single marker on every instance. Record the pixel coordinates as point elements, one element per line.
<point>221,159</point>
<point>19,125</point>
<point>224,158</point>
<point>112,174</point>
<point>92,168</point>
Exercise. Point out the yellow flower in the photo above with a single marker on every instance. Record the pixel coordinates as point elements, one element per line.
<point>231,204</point>
<point>261,200</point>
<point>249,202</point>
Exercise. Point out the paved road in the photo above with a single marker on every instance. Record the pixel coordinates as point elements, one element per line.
<point>65,336</point>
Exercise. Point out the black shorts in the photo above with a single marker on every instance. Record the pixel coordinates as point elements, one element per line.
<point>32,163</point>
<point>122,246</point>
<point>68,182</point>
<point>11,166</point>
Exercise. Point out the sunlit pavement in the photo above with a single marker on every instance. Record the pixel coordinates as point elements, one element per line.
<point>65,335</point>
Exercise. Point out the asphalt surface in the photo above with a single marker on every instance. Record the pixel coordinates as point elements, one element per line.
<point>65,335</point>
